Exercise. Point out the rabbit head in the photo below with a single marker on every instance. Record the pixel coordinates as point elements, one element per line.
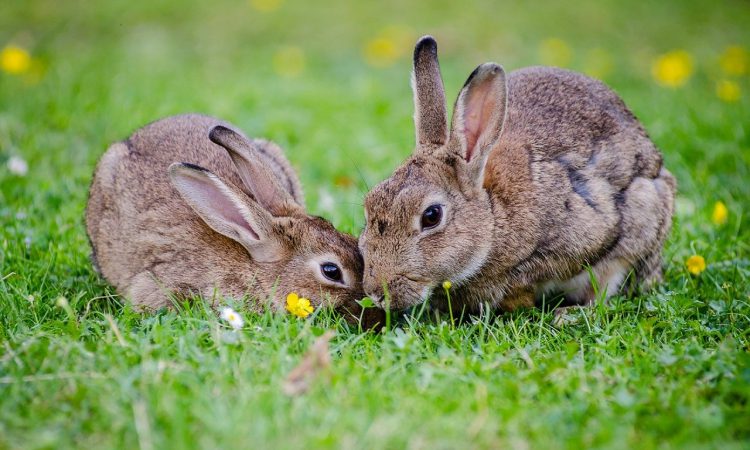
<point>432,220</point>
<point>293,250</point>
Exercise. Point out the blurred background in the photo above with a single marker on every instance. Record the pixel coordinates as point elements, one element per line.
<point>329,81</point>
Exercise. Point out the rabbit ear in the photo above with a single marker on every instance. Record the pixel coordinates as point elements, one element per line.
<point>252,169</point>
<point>479,115</point>
<point>430,115</point>
<point>226,210</point>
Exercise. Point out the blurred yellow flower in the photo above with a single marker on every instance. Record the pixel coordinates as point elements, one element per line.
<point>734,61</point>
<point>15,60</point>
<point>289,61</point>
<point>299,306</point>
<point>720,214</point>
<point>728,91</point>
<point>598,63</point>
<point>447,284</point>
<point>695,264</point>
<point>388,46</point>
<point>673,69</point>
<point>380,52</point>
<point>555,52</point>
<point>266,5</point>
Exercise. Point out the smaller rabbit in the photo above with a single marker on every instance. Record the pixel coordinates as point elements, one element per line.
<point>542,175</point>
<point>189,205</point>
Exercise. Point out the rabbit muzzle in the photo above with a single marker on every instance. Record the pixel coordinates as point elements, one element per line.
<point>399,291</point>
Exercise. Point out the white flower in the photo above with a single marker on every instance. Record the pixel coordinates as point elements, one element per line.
<point>326,202</point>
<point>232,317</point>
<point>17,166</point>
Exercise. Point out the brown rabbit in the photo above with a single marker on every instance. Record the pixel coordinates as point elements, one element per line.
<point>538,178</point>
<point>188,205</point>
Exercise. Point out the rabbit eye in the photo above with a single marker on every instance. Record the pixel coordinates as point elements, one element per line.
<point>331,271</point>
<point>431,216</point>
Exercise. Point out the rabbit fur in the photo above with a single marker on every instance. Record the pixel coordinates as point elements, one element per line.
<point>189,205</point>
<point>545,180</point>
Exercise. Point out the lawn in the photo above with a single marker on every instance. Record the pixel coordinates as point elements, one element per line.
<point>330,84</point>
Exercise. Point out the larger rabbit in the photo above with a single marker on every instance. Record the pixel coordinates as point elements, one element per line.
<point>544,181</point>
<point>189,205</point>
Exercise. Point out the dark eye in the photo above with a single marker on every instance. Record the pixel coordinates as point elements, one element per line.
<point>431,216</point>
<point>332,272</point>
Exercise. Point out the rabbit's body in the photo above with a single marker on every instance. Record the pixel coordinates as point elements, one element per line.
<point>598,193</point>
<point>539,177</point>
<point>149,243</point>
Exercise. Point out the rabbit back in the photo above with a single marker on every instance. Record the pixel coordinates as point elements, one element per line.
<point>141,232</point>
<point>580,181</point>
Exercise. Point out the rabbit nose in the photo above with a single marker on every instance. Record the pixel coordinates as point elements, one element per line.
<point>373,288</point>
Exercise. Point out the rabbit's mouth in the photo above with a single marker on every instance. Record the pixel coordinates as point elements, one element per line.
<point>403,291</point>
<point>416,279</point>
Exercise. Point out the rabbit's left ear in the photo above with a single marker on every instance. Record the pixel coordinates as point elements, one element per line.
<point>261,181</point>
<point>430,115</point>
<point>478,117</point>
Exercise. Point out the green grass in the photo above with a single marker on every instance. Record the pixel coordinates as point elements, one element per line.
<point>670,369</point>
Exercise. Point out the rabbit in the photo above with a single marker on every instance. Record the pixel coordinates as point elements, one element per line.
<point>544,181</point>
<point>189,205</point>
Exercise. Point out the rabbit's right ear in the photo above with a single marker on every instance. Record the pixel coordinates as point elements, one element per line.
<point>478,118</point>
<point>252,169</point>
<point>226,210</point>
<point>430,115</point>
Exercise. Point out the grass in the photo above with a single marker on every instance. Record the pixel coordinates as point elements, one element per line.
<point>670,369</point>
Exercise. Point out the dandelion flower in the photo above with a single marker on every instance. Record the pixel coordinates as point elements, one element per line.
<point>673,69</point>
<point>266,5</point>
<point>18,166</point>
<point>15,60</point>
<point>728,90</point>
<point>720,213</point>
<point>299,306</point>
<point>289,61</point>
<point>555,52</point>
<point>734,61</point>
<point>232,317</point>
<point>695,264</point>
<point>447,284</point>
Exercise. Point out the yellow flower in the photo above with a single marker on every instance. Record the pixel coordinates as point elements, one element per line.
<point>380,52</point>
<point>388,46</point>
<point>289,61</point>
<point>598,63</point>
<point>299,306</point>
<point>266,5</point>
<point>447,284</point>
<point>734,61</point>
<point>728,91</point>
<point>696,264</point>
<point>673,69</point>
<point>555,52</point>
<point>15,60</point>
<point>720,214</point>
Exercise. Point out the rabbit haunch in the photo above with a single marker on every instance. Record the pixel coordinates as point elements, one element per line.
<point>188,205</point>
<point>540,175</point>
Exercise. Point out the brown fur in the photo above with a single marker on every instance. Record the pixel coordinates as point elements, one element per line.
<point>149,243</point>
<point>562,176</point>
